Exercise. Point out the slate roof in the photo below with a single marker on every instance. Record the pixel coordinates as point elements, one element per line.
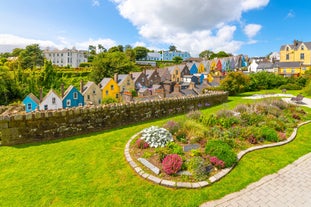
<point>104,82</point>
<point>149,73</point>
<point>34,98</point>
<point>136,75</point>
<point>289,64</point>
<point>87,85</point>
<point>121,78</point>
<point>292,46</point>
<point>265,65</point>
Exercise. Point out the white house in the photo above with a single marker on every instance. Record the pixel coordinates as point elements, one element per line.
<point>66,57</point>
<point>51,101</point>
<point>253,66</point>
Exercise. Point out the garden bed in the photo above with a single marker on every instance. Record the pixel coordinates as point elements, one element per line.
<point>213,141</point>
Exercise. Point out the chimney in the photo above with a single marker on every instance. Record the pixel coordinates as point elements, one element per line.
<point>191,85</point>
<point>177,88</point>
<point>81,86</point>
<point>62,89</point>
<point>116,77</point>
<point>40,94</point>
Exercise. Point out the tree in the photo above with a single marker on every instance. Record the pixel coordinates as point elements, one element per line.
<point>107,64</point>
<point>114,49</point>
<point>16,52</point>
<point>48,75</point>
<point>206,54</point>
<point>9,90</point>
<point>92,50</point>
<point>101,48</point>
<point>31,57</point>
<point>235,82</point>
<point>140,52</point>
<point>177,59</point>
<point>172,48</point>
<point>130,53</point>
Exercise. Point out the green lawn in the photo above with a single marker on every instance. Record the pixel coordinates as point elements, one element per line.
<point>91,171</point>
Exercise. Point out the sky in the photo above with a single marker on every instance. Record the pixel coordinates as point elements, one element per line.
<point>249,27</point>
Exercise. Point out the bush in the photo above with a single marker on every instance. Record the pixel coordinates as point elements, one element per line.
<point>197,167</point>
<point>181,136</point>
<point>194,115</point>
<point>290,86</point>
<point>269,134</point>
<point>222,151</point>
<point>175,148</point>
<point>172,126</point>
<point>209,120</point>
<point>109,100</point>
<point>241,108</point>
<point>217,162</point>
<point>156,137</point>
<point>224,113</point>
<point>141,144</point>
<point>171,164</point>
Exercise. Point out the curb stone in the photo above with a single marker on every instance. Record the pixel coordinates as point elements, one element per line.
<point>212,179</point>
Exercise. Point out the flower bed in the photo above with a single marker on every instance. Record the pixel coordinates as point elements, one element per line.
<point>200,146</point>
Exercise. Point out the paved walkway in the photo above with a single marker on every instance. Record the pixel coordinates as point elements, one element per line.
<point>291,186</point>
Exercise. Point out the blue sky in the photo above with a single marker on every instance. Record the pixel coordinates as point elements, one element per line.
<point>250,27</point>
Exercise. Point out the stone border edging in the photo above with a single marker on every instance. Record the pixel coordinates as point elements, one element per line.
<point>212,179</point>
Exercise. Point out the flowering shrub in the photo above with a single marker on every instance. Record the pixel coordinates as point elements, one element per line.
<point>217,162</point>
<point>171,164</point>
<point>172,126</point>
<point>156,137</point>
<point>141,144</point>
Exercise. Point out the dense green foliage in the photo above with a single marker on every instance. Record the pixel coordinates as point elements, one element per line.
<point>235,82</point>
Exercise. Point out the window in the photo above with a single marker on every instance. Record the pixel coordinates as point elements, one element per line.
<point>111,87</point>
<point>287,56</point>
<point>53,100</point>
<point>287,48</point>
<point>106,92</point>
<point>94,92</point>
<point>143,80</point>
<point>80,104</point>
<point>75,95</point>
<point>68,103</point>
<point>117,96</point>
<point>293,71</point>
<point>99,101</point>
<point>45,107</point>
<point>29,106</point>
<point>302,47</point>
<point>128,82</point>
<point>123,88</point>
<point>88,97</point>
<point>284,71</point>
<point>302,56</point>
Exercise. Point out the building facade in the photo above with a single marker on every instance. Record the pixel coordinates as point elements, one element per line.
<point>66,57</point>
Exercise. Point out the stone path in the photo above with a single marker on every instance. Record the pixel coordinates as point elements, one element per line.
<point>291,186</point>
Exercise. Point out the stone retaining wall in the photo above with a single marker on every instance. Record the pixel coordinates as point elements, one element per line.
<point>48,125</point>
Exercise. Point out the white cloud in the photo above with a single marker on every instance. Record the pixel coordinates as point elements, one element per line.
<point>106,43</point>
<point>251,30</point>
<point>95,3</point>
<point>9,42</point>
<point>290,14</point>
<point>190,25</point>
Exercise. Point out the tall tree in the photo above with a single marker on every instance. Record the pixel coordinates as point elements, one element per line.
<point>101,48</point>
<point>92,50</point>
<point>31,57</point>
<point>107,64</point>
<point>48,75</point>
<point>206,54</point>
<point>141,52</point>
<point>172,48</point>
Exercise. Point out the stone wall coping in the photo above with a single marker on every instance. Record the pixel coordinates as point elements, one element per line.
<point>212,179</point>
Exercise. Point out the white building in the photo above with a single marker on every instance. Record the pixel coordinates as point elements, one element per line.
<point>66,57</point>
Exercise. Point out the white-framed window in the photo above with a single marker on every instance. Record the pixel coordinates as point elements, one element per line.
<point>88,97</point>
<point>45,107</point>
<point>287,56</point>
<point>302,47</point>
<point>29,106</point>
<point>75,95</point>
<point>80,104</point>
<point>302,56</point>
<point>68,102</point>
<point>53,100</point>
<point>94,92</point>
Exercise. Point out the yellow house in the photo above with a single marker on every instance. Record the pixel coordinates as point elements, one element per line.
<point>213,65</point>
<point>175,73</point>
<point>109,88</point>
<point>201,68</point>
<point>295,58</point>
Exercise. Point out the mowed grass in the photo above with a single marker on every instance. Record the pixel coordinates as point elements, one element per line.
<point>91,170</point>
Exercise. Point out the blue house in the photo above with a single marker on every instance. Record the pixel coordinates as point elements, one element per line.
<point>200,78</point>
<point>31,103</point>
<point>193,68</point>
<point>72,98</point>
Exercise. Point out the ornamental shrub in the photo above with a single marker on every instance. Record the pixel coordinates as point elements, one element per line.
<point>142,144</point>
<point>194,115</point>
<point>171,164</point>
<point>156,137</point>
<point>217,162</point>
<point>197,167</point>
<point>269,134</point>
<point>172,126</point>
<point>222,151</point>
<point>175,148</point>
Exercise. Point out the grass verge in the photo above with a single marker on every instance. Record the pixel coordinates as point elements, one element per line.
<point>91,171</point>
